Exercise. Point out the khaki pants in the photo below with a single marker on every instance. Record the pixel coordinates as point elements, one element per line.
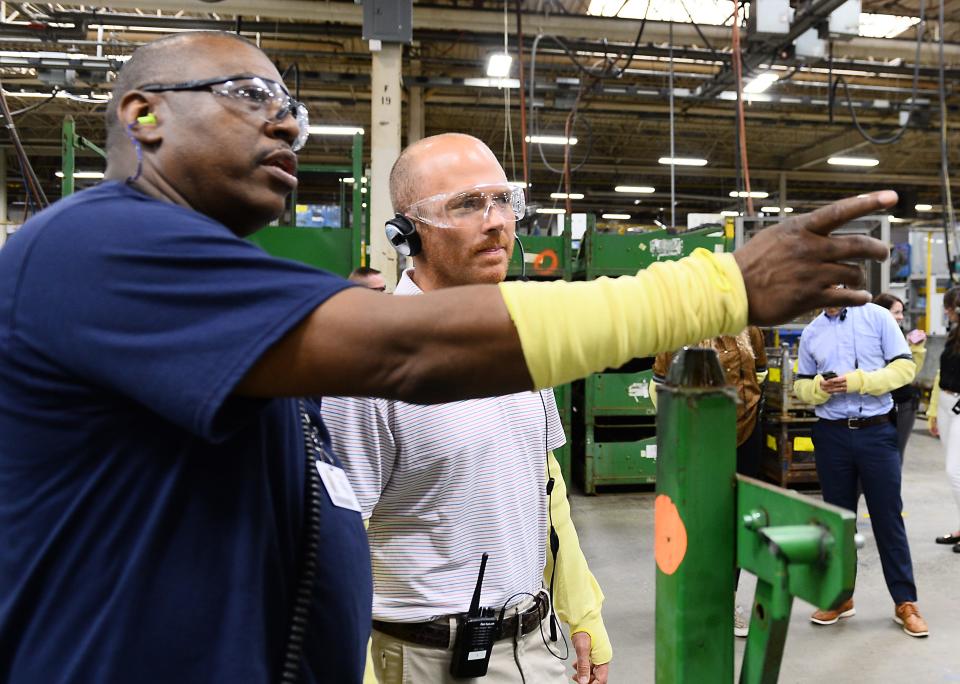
<point>400,662</point>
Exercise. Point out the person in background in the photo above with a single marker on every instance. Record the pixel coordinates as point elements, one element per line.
<point>945,424</point>
<point>369,278</point>
<point>744,360</point>
<point>906,399</point>
<point>850,359</point>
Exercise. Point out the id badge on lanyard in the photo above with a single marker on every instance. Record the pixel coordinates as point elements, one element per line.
<point>331,475</point>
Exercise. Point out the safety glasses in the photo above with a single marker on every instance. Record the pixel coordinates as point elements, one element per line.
<point>470,207</point>
<point>255,94</point>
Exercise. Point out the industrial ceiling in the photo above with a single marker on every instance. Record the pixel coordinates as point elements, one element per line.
<point>619,84</point>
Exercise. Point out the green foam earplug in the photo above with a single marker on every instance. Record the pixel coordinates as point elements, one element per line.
<point>149,119</point>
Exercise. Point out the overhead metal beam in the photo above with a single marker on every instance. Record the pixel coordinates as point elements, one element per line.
<point>569,26</point>
<point>836,145</point>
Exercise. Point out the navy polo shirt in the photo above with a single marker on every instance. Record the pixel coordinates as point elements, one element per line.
<point>151,523</point>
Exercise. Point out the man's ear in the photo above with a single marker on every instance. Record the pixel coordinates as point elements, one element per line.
<point>137,113</point>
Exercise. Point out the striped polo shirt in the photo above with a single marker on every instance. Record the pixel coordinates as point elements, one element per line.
<point>443,484</point>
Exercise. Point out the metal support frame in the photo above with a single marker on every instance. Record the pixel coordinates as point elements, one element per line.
<point>70,142</point>
<point>707,518</point>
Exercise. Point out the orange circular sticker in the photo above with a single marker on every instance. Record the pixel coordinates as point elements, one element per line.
<point>545,255</point>
<point>669,535</point>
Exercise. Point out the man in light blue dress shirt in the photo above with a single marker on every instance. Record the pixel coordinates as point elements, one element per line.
<point>850,360</point>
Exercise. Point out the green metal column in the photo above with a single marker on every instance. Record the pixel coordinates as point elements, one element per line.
<point>68,153</point>
<point>694,530</point>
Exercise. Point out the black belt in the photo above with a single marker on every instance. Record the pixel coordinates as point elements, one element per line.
<point>436,633</point>
<point>857,423</point>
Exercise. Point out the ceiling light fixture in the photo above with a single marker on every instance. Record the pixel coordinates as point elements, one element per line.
<point>615,217</point>
<point>563,195</point>
<point>853,161</point>
<point>682,161</point>
<point>549,210</point>
<point>635,189</point>
<point>498,65</point>
<point>335,130</point>
<point>551,139</point>
<point>760,83</point>
<point>82,174</point>
<point>776,210</point>
<point>755,194</point>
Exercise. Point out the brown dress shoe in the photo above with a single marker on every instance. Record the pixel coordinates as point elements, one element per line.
<point>907,615</point>
<point>829,617</point>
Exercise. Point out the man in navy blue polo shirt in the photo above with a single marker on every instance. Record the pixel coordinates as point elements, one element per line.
<point>850,360</point>
<point>169,511</point>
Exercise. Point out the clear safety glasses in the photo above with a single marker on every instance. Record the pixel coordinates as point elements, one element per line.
<point>470,207</point>
<point>257,95</point>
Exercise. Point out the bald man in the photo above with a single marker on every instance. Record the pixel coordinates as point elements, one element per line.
<point>441,485</point>
<point>169,510</point>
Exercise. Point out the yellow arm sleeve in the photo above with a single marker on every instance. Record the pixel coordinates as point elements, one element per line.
<point>576,594</point>
<point>808,390</point>
<point>919,352</point>
<point>897,373</point>
<point>761,376</point>
<point>569,330</point>
<point>934,398</point>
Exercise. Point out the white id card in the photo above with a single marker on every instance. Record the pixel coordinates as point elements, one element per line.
<point>338,487</point>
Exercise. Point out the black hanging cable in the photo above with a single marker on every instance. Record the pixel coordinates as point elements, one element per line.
<point>31,181</point>
<point>840,80</point>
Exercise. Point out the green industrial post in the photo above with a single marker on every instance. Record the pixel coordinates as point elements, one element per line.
<point>357,238</point>
<point>68,153</point>
<point>694,522</point>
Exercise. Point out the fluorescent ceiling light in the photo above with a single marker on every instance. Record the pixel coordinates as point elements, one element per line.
<point>498,66</point>
<point>755,194</point>
<point>885,25</point>
<point>548,210</point>
<point>563,195</point>
<point>682,161</point>
<point>335,130</point>
<point>82,174</point>
<point>761,83</point>
<point>635,189</point>
<point>729,213</point>
<point>512,83</point>
<point>776,210</point>
<point>853,161</point>
<point>615,217</point>
<point>924,207</point>
<point>551,139</point>
<point>895,219</point>
<point>517,184</point>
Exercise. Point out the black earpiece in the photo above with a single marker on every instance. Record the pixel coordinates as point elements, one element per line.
<point>402,234</point>
<point>843,314</point>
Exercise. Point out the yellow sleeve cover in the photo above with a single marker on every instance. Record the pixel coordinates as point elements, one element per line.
<point>761,376</point>
<point>934,398</point>
<point>897,373</point>
<point>808,390</point>
<point>919,352</point>
<point>577,596</point>
<point>569,330</point>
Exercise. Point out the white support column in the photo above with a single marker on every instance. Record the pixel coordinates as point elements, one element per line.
<point>415,117</point>
<point>384,150</point>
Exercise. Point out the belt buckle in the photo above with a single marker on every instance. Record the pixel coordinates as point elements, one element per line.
<point>850,424</point>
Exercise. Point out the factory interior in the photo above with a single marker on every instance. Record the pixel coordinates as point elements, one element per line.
<point>630,134</point>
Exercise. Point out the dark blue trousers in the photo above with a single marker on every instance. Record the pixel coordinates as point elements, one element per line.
<point>870,455</point>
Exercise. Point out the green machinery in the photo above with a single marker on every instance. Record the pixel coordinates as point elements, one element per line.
<point>618,429</point>
<point>707,519</point>
<point>338,250</point>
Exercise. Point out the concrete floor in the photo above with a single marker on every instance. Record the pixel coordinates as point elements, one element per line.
<point>616,532</point>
